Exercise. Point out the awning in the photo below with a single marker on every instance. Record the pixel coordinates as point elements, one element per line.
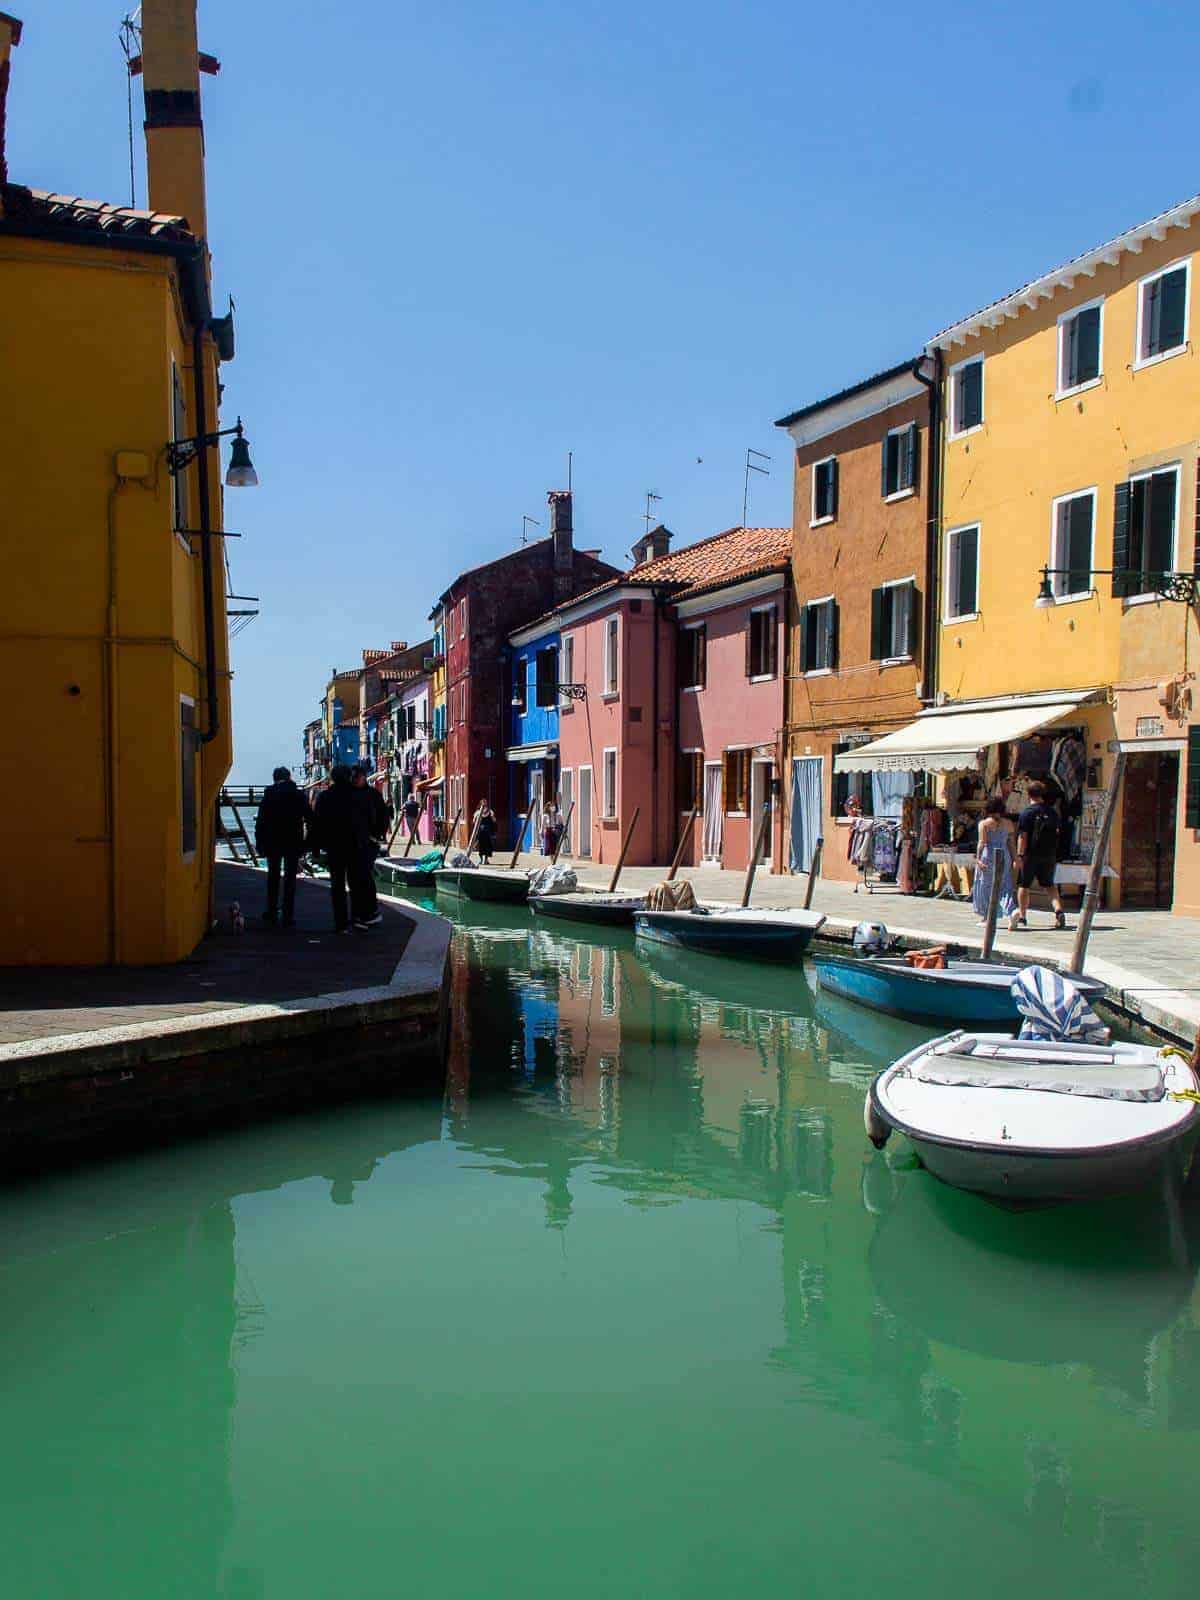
<point>949,739</point>
<point>532,752</point>
<point>426,784</point>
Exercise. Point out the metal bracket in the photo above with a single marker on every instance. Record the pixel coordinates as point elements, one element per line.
<point>572,691</point>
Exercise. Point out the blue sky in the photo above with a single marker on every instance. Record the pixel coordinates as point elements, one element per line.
<point>467,238</point>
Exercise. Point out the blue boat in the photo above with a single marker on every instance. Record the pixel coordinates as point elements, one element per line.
<point>732,931</point>
<point>974,994</point>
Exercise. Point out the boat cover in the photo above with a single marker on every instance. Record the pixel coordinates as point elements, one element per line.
<point>1053,1007</point>
<point>1092,1076</point>
<point>553,880</point>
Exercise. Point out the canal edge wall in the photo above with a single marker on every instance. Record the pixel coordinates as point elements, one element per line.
<point>149,1082</point>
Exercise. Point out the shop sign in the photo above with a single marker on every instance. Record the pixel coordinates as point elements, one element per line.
<point>1148,728</point>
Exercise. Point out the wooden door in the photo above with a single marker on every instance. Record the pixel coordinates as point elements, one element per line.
<point>1148,829</point>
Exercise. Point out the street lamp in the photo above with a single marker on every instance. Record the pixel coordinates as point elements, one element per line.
<point>241,474</point>
<point>1178,586</point>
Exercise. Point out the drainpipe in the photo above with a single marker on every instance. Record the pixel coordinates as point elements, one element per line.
<point>213,720</point>
<point>929,642</point>
<point>654,732</point>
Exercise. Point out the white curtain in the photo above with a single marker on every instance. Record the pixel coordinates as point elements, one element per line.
<point>807,819</point>
<point>888,792</point>
<point>713,818</point>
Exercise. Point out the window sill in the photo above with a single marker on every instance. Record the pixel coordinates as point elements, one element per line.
<point>967,616</point>
<point>819,672</point>
<point>737,813</point>
<point>965,434</point>
<point>762,677</point>
<point>1140,599</point>
<point>690,688</point>
<point>821,522</point>
<point>898,494</point>
<point>1163,355</point>
<point>896,661</point>
<point>1073,599</point>
<point>611,694</point>
<point>185,544</point>
<point>1080,388</point>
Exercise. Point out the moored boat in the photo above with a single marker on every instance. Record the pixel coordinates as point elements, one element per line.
<point>974,994</point>
<point>1038,1119</point>
<point>483,883</point>
<point>732,930</point>
<point>599,908</point>
<point>404,874</point>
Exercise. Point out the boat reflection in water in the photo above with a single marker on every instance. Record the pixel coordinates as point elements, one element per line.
<point>631,1308</point>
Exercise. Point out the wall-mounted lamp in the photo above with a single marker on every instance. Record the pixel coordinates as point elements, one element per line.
<point>241,474</point>
<point>1178,586</point>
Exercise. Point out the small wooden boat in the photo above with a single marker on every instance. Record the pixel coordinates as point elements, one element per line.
<point>404,874</point>
<point>732,931</point>
<point>1031,1119</point>
<point>483,883</point>
<point>974,994</point>
<point>599,909</point>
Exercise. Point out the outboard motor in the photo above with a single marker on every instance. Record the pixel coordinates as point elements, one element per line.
<point>871,939</point>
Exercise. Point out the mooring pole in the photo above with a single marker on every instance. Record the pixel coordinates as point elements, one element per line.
<point>757,851</point>
<point>637,811</point>
<point>814,872</point>
<point>558,844</point>
<point>450,835</point>
<point>512,865</point>
<point>684,835</point>
<point>1091,895</point>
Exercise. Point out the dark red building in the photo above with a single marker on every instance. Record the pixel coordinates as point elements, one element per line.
<point>481,608</point>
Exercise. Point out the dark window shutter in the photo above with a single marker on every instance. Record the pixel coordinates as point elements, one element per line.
<point>805,633</point>
<point>833,487</point>
<point>1070,357</point>
<point>833,633</point>
<point>877,651</point>
<point>1159,553</point>
<point>1192,815</point>
<point>1171,300</point>
<point>914,620</point>
<point>771,653</point>
<point>750,645</point>
<point>883,468</point>
<point>970,381</point>
<point>1086,330</point>
<point>701,656</point>
<point>1077,546</point>
<point>913,467</point>
<point>1120,559</point>
<point>968,572</point>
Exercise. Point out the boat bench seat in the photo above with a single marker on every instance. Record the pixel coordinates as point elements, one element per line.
<point>1094,1074</point>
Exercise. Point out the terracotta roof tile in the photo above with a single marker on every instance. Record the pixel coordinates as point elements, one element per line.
<point>729,557</point>
<point>72,211</point>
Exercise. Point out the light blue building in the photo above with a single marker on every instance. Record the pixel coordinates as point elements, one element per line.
<point>533,727</point>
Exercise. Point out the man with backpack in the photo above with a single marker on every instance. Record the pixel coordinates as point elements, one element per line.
<point>1037,856</point>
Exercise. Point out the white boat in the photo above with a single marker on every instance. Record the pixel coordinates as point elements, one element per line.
<point>1033,1119</point>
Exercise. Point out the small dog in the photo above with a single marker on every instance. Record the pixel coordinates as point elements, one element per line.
<point>236,920</point>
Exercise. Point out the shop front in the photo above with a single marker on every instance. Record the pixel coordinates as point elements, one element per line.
<point>533,784</point>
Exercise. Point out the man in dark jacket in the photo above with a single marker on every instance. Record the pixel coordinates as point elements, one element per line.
<point>343,821</point>
<point>280,833</point>
<point>380,826</point>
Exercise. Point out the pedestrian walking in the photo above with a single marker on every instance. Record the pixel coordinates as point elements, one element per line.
<point>1038,829</point>
<point>485,832</point>
<point>412,815</point>
<point>994,853</point>
<point>551,826</point>
<point>280,835</point>
<point>343,818</point>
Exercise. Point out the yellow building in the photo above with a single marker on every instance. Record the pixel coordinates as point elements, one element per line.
<point>1070,438</point>
<point>112,609</point>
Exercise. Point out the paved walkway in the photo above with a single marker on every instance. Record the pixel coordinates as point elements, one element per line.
<point>228,971</point>
<point>1149,960</point>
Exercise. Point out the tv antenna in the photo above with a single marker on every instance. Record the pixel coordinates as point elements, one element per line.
<point>752,466</point>
<point>525,521</point>
<point>130,35</point>
<point>648,514</point>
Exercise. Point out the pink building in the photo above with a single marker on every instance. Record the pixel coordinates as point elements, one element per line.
<point>681,661</point>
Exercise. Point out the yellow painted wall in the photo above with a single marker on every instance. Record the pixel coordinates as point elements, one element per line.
<point>1032,448</point>
<point>95,871</point>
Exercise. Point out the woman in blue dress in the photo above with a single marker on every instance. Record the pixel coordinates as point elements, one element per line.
<point>995,852</point>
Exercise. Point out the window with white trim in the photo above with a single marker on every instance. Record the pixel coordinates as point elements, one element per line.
<point>568,668</point>
<point>609,787</point>
<point>899,464</point>
<point>1145,517</point>
<point>762,643</point>
<point>962,573</point>
<point>1163,313</point>
<point>1072,531</point>
<point>824,491</point>
<point>819,635</point>
<point>612,655</point>
<point>966,396</point>
<point>1080,333</point>
<point>894,621</point>
<point>693,639</point>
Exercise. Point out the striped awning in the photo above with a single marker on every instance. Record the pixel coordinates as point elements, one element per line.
<point>950,739</point>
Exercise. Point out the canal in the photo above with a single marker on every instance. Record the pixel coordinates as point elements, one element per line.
<point>627,1308</point>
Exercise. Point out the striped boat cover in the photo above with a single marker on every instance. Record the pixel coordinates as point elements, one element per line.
<point>1053,1007</point>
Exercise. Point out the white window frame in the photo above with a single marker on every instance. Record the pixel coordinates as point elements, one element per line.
<point>968,616</point>
<point>566,662</point>
<point>952,432</point>
<point>1061,393</point>
<point>814,521</point>
<point>1173,566</point>
<point>767,677</point>
<point>815,672</point>
<point>900,494</point>
<point>462,618</point>
<point>693,627</point>
<point>1058,557</point>
<point>1139,360</point>
<point>612,686</point>
<point>608,814</point>
<point>585,843</point>
<point>900,583</point>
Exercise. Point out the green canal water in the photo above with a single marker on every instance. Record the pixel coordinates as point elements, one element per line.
<point>629,1309</point>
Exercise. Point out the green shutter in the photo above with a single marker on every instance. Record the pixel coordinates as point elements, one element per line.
<point>1192,817</point>
<point>833,633</point>
<point>833,487</point>
<point>913,454</point>
<point>914,621</point>
<point>805,635</point>
<point>1085,330</point>
<point>971,391</point>
<point>1172,296</point>
<point>967,598</point>
<point>1120,559</point>
<point>877,651</point>
<point>1160,546</point>
<point>883,467</point>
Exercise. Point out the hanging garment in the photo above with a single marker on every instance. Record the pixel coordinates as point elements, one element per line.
<point>1068,766</point>
<point>906,877</point>
<point>806,810</point>
<point>859,848</point>
<point>888,791</point>
<point>885,855</point>
<point>933,830</point>
<point>998,857</point>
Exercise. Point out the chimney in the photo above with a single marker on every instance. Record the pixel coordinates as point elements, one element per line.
<point>651,546</point>
<point>174,132</point>
<point>10,37</point>
<point>561,532</point>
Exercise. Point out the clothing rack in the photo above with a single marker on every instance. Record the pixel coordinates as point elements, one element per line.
<point>874,848</point>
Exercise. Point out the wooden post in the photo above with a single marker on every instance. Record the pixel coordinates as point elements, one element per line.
<point>1091,894</point>
<point>512,865</point>
<point>756,852</point>
<point>684,835</point>
<point>993,905</point>
<point>814,872</point>
<point>474,831</point>
<point>450,835</point>
<point>412,839</point>
<point>637,811</point>
<point>559,842</point>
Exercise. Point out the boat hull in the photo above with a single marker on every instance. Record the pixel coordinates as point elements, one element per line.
<point>954,995</point>
<point>473,883</point>
<point>584,908</point>
<point>761,940</point>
